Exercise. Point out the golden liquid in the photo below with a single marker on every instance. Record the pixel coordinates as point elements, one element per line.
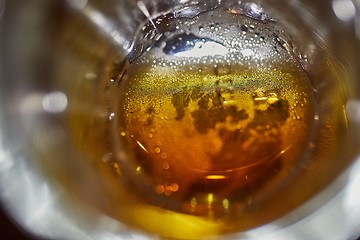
<point>190,149</point>
<point>203,153</point>
<point>207,141</point>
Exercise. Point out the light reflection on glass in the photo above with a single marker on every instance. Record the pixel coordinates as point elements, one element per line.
<point>344,9</point>
<point>54,102</point>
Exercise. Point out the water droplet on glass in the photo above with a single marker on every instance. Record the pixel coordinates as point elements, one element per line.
<point>159,189</point>
<point>111,116</point>
<point>90,76</point>
<point>249,9</point>
<point>157,150</point>
<point>244,28</point>
<point>174,187</point>
<point>166,165</point>
<point>107,157</point>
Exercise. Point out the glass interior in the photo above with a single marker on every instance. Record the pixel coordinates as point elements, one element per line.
<point>177,119</point>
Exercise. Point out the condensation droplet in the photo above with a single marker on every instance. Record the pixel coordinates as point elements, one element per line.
<point>159,189</point>
<point>107,157</point>
<point>111,116</point>
<point>166,165</point>
<point>174,187</point>
<point>157,150</point>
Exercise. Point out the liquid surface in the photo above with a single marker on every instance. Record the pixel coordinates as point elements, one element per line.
<point>218,137</point>
<point>213,119</point>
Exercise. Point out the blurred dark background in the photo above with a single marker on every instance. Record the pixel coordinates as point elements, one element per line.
<point>8,230</point>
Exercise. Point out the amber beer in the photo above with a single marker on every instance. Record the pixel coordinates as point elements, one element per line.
<point>217,127</point>
<point>210,135</point>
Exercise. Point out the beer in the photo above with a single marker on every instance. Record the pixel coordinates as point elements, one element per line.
<point>197,133</point>
<point>216,124</point>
